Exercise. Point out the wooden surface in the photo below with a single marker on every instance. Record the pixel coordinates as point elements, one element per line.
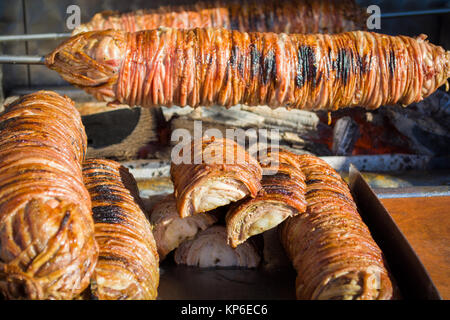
<point>425,223</point>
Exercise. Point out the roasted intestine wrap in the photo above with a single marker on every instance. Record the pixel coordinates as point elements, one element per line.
<point>282,195</point>
<point>128,262</point>
<point>47,246</point>
<point>224,173</point>
<point>329,245</point>
<point>216,66</point>
<point>291,16</point>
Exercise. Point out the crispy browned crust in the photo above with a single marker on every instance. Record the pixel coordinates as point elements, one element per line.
<point>165,218</point>
<point>206,66</point>
<point>213,154</point>
<point>330,246</point>
<point>128,262</point>
<point>47,246</point>
<point>283,184</point>
<point>292,16</point>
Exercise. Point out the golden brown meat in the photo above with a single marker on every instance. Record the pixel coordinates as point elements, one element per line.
<point>291,16</point>
<point>210,249</point>
<point>47,246</point>
<point>203,67</point>
<point>128,263</point>
<point>282,196</point>
<point>215,173</point>
<point>330,246</point>
<point>170,230</point>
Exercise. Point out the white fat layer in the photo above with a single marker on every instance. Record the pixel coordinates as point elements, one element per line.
<point>217,192</point>
<point>270,215</point>
<point>217,255</point>
<point>178,231</point>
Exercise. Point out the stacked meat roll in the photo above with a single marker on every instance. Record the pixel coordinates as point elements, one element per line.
<point>210,249</point>
<point>282,196</point>
<point>214,173</point>
<point>128,262</point>
<point>170,230</point>
<point>215,66</point>
<point>330,246</point>
<point>292,16</point>
<point>47,246</point>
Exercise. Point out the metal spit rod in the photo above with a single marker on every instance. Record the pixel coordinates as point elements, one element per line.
<point>37,36</point>
<point>54,36</point>
<point>10,59</point>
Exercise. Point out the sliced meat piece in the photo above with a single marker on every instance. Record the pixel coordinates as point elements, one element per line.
<point>170,230</point>
<point>282,196</point>
<point>224,173</point>
<point>210,249</point>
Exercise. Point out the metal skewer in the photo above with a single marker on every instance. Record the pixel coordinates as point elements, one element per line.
<point>22,59</point>
<point>38,36</point>
<point>54,36</point>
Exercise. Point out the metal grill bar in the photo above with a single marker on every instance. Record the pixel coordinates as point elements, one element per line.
<point>38,36</point>
<point>22,59</point>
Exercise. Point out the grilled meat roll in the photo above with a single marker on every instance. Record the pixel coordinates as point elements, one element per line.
<point>282,195</point>
<point>217,172</point>
<point>47,246</point>
<point>170,230</point>
<point>330,246</point>
<point>203,67</point>
<point>128,262</point>
<point>292,16</point>
<point>210,249</point>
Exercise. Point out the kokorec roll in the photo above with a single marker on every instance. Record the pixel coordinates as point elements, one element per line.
<point>47,246</point>
<point>128,262</point>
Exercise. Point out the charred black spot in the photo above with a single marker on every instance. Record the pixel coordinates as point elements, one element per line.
<point>279,176</point>
<point>277,189</point>
<point>227,73</point>
<point>311,181</point>
<point>65,220</point>
<point>236,60</point>
<point>96,166</point>
<point>241,68</point>
<point>255,57</point>
<point>392,62</point>
<point>104,193</point>
<point>97,173</point>
<point>108,214</point>
<point>112,258</point>
<point>269,67</point>
<point>234,56</point>
<point>361,64</point>
<point>306,67</point>
<point>343,64</point>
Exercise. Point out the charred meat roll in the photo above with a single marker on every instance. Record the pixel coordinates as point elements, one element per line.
<point>210,249</point>
<point>329,245</point>
<point>217,172</point>
<point>170,230</point>
<point>206,66</point>
<point>47,246</point>
<point>282,195</point>
<point>292,16</point>
<point>128,263</point>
